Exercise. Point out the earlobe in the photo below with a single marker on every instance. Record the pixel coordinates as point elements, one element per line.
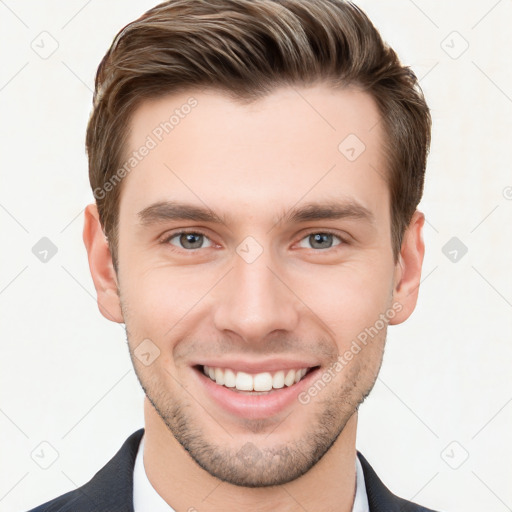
<point>101,267</point>
<point>408,269</point>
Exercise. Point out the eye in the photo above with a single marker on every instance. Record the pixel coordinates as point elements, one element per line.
<point>321,240</point>
<point>188,240</point>
<point>192,240</point>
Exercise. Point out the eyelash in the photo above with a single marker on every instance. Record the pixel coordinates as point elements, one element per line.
<point>167,239</point>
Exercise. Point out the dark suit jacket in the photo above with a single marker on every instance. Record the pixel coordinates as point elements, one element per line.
<point>111,488</point>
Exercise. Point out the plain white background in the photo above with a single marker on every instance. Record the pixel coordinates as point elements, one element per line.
<point>437,425</point>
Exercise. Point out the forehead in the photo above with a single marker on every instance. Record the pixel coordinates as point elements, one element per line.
<point>295,144</point>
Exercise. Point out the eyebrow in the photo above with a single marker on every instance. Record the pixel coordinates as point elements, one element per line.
<point>163,211</point>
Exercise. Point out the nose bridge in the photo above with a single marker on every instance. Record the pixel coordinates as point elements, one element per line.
<point>254,301</point>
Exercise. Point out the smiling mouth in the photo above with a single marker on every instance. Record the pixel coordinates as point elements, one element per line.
<point>261,383</point>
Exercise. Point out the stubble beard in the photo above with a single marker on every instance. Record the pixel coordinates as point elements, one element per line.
<point>249,465</point>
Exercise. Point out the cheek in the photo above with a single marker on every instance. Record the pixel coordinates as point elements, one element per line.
<point>159,298</point>
<point>347,297</point>
<point>350,298</point>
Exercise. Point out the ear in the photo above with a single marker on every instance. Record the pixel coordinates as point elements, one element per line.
<point>408,269</point>
<point>100,264</point>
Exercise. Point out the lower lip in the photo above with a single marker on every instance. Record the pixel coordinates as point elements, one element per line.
<point>254,406</point>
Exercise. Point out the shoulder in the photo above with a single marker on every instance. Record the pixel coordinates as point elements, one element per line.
<point>380,498</point>
<point>109,490</point>
<point>71,501</point>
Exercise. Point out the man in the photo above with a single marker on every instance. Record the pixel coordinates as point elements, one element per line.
<point>256,167</point>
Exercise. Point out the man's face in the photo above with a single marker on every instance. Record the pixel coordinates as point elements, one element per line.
<point>265,290</point>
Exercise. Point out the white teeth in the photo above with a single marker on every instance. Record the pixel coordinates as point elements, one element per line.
<point>278,380</point>
<point>299,374</point>
<point>244,382</point>
<point>229,378</point>
<point>264,381</point>
<point>219,376</point>
<point>290,378</point>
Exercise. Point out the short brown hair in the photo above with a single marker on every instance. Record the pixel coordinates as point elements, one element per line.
<point>246,48</point>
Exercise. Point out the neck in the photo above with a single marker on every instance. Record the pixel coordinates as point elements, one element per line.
<point>185,486</point>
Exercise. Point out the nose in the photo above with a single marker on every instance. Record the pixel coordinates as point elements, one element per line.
<point>255,300</point>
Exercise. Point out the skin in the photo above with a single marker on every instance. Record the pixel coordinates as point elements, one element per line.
<point>253,163</point>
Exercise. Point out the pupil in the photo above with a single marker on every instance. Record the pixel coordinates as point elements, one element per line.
<point>187,240</point>
<point>322,238</point>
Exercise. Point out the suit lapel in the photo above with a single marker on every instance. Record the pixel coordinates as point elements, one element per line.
<point>112,486</point>
<point>380,498</point>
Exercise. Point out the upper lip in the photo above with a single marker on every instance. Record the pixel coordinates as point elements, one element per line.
<point>268,365</point>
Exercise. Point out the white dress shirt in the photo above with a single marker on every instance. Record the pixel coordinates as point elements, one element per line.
<point>146,499</point>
